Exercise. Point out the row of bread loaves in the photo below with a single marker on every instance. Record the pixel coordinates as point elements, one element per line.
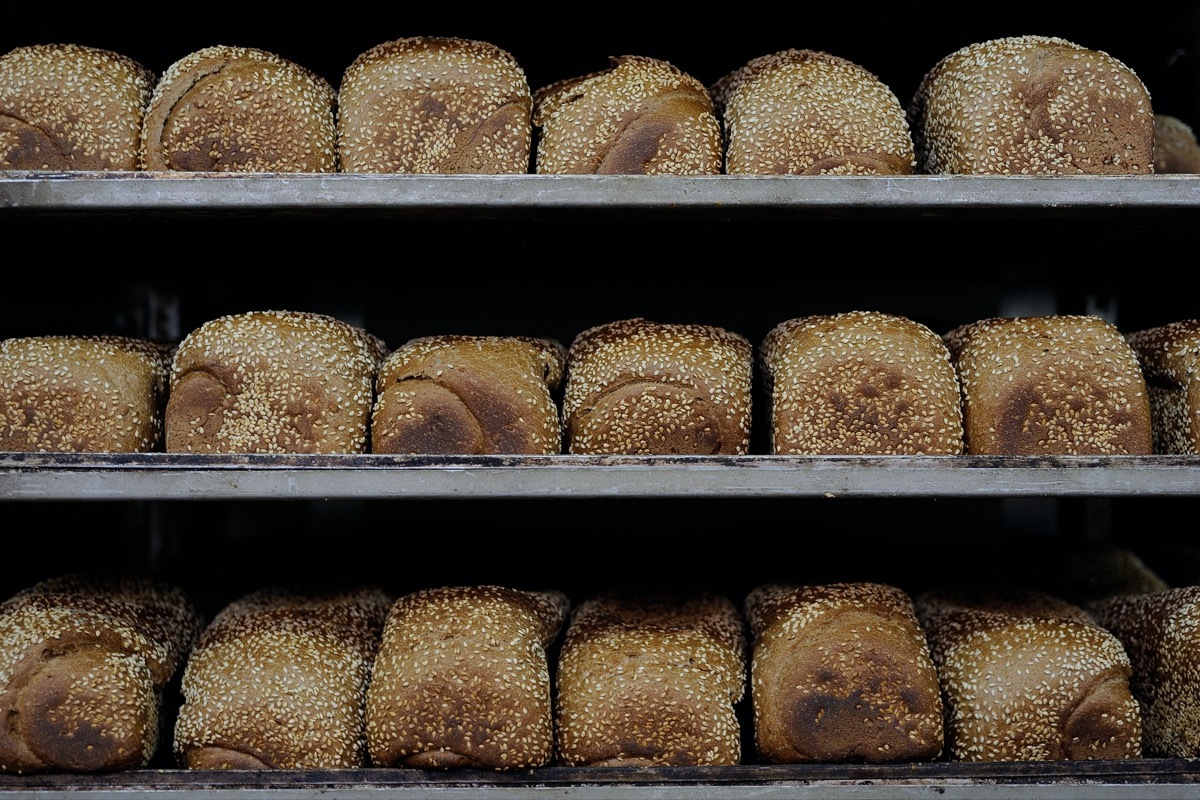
<point>853,383</point>
<point>465,677</point>
<point>1017,105</point>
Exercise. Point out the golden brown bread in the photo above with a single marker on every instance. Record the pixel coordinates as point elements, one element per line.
<point>635,386</point>
<point>807,112</point>
<point>1160,631</point>
<point>651,680</point>
<point>82,394</point>
<point>1175,147</point>
<point>84,663</point>
<point>841,673</point>
<point>272,382</point>
<point>640,116</point>
<point>1050,385</point>
<point>1027,676</point>
<point>462,679</point>
<point>862,383</point>
<point>469,394</point>
<point>1032,105</point>
<point>239,109</point>
<point>278,680</point>
<point>435,104</point>
<point>1170,359</point>
<point>71,107</point>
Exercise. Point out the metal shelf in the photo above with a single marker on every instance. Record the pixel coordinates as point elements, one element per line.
<point>168,476</point>
<point>755,197</point>
<point>1153,779</point>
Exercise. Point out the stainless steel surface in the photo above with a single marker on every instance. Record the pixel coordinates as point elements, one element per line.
<point>431,195</point>
<point>1168,779</point>
<point>164,476</point>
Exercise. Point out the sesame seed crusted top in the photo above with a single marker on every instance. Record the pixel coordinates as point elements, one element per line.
<point>280,676</point>
<point>1170,359</point>
<point>1029,677</point>
<point>1032,105</point>
<point>82,394</point>
<point>71,107</point>
<point>651,679</point>
<point>807,112</point>
<point>240,109</point>
<point>273,382</point>
<point>860,382</point>
<point>430,104</point>
<point>1160,630</point>
<point>638,386</point>
<point>462,679</point>
<point>640,116</point>
<point>1057,384</point>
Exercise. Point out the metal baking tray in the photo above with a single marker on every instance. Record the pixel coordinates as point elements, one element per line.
<point>1152,779</point>
<point>499,195</point>
<point>171,476</point>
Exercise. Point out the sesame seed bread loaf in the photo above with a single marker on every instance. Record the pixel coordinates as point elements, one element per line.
<point>860,383</point>
<point>71,107</point>
<point>435,104</point>
<point>1050,385</point>
<point>278,680</point>
<point>462,679</point>
<point>83,669</point>
<point>643,388</point>
<point>651,680</point>
<point>1170,359</point>
<point>1161,633</point>
<point>841,673</point>
<point>239,109</point>
<point>82,394</point>
<point>1027,676</point>
<point>1176,150</point>
<point>469,394</point>
<point>807,112</point>
<point>272,382</point>
<point>640,116</point>
<point>1032,105</point>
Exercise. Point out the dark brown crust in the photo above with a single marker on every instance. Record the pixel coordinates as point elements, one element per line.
<point>462,679</point>
<point>469,394</point>
<point>1029,677</point>
<point>1175,148</point>
<point>84,668</point>
<point>1170,359</point>
<point>71,107</point>
<point>1053,385</point>
<point>842,673</point>
<point>197,121</point>
<point>461,106</point>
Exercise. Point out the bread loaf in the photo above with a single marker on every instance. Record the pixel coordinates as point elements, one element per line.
<point>82,394</point>
<point>807,112</point>
<point>1175,147</point>
<point>272,382</point>
<point>462,679</point>
<point>1032,105</point>
<point>1160,631</point>
<point>641,116</point>
<point>239,109</point>
<point>1170,359</point>
<point>861,383</point>
<point>83,668</point>
<point>469,394</point>
<point>640,387</point>
<point>1027,676</point>
<point>71,107</point>
<point>1050,385</point>
<point>651,680</point>
<point>435,104</point>
<point>841,673</point>
<point>278,680</point>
